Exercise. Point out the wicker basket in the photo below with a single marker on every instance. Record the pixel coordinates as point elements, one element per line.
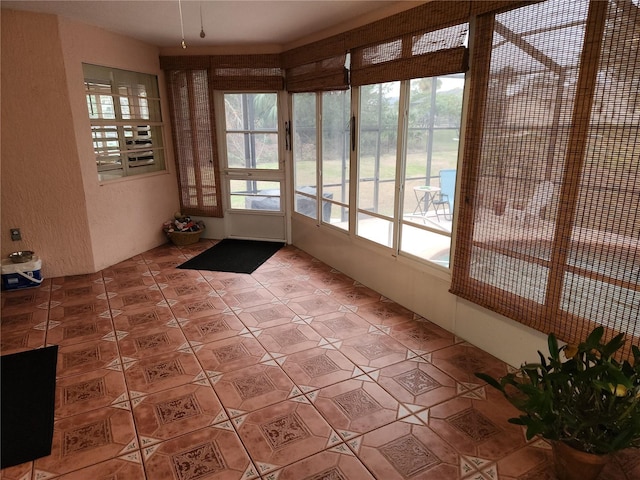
<point>184,238</point>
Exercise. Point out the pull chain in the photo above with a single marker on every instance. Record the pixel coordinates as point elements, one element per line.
<point>202,34</point>
<point>183,43</point>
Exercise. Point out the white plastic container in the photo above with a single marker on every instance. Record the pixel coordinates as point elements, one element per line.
<point>21,275</point>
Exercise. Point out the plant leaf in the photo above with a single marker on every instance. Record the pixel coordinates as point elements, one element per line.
<point>593,340</point>
<point>490,380</point>
<point>543,361</point>
<point>554,351</point>
<point>614,344</point>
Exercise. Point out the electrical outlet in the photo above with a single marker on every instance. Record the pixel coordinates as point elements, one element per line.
<point>15,234</point>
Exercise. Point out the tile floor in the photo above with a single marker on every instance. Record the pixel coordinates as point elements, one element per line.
<point>293,372</point>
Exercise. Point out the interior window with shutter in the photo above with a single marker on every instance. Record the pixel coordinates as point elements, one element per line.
<point>550,225</point>
<point>126,121</point>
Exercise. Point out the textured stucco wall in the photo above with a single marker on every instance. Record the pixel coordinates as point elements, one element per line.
<point>50,186</point>
<point>125,216</point>
<point>41,185</point>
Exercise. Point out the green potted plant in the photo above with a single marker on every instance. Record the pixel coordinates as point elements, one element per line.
<point>581,399</point>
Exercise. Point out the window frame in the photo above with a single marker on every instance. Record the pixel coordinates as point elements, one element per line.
<point>399,225</point>
<point>114,133</point>
<point>321,213</point>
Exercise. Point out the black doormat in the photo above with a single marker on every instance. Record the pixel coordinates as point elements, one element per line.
<point>231,255</point>
<point>28,392</point>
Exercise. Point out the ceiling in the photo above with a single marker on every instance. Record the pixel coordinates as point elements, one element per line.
<point>225,23</point>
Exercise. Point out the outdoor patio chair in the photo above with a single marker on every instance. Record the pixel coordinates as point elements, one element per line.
<point>447,194</point>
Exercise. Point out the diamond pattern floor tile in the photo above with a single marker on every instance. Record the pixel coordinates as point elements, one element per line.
<point>293,372</point>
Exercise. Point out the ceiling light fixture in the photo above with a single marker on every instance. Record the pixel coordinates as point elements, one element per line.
<point>182,44</point>
<point>202,34</point>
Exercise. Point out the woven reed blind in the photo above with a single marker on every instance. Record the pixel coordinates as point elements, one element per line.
<point>423,41</point>
<point>414,55</point>
<point>233,72</point>
<point>317,67</point>
<point>194,142</point>
<point>324,75</point>
<point>246,72</point>
<point>549,231</point>
<point>429,16</point>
